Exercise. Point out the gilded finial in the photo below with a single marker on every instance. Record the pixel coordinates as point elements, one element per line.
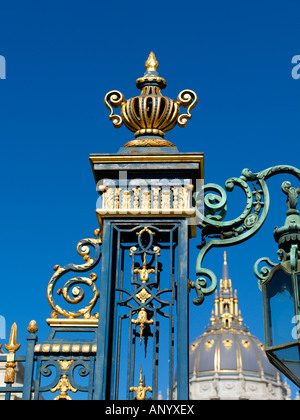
<point>225,257</point>
<point>32,327</point>
<point>141,390</point>
<point>151,64</point>
<point>150,115</point>
<point>11,347</point>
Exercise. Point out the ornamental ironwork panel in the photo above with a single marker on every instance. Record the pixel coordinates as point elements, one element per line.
<point>122,332</point>
<point>143,305</point>
<point>63,366</point>
<point>141,329</point>
<point>142,317</point>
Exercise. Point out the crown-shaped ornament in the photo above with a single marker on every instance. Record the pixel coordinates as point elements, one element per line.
<point>150,115</point>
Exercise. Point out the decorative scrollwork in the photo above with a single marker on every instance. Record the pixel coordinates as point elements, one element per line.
<point>83,369</point>
<point>264,272</point>
<point>247,175</point>
<point>144,294</point>
<point>63,376</point>
<point>215,203</point>
<point>48,369</point>
<point>115,99</point>
<point>188,99</point>
<point>83,249</point>
<point>200,286</point>
<point>217,232</point>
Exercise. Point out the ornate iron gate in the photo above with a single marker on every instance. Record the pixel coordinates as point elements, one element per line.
<point>150,196</point>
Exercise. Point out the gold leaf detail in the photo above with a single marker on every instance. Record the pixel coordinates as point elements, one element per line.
<point>143,295</point>
<point>227,343</point>
<point>209,344</point>
<point>246,344</point>
<point>141,390</point>
<point>151,64</point>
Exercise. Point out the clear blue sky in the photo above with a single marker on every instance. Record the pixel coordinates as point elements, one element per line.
<point>63,56</point>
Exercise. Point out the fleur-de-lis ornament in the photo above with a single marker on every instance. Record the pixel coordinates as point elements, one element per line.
<point>144,271</point>
<point>140,390</point>
<point>142,320</point>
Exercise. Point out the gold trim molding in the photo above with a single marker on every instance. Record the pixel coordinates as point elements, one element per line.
<point>71,322</point>
<point>97,158</point>
<point>149,143</point>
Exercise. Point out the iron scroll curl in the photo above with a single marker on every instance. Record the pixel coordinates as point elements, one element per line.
<point>187,99</point>
<point>115,99</point>
<point>73,286</point>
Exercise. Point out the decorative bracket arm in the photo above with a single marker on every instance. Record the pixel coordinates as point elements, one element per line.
<point>216,232</point>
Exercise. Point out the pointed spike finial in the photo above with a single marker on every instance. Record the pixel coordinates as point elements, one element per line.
<point>11,347</point>
<point>151,64</point>
<point>225,275</point>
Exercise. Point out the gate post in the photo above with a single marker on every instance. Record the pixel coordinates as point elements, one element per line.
<point>29,365</point>
<point>183,316</point>
<point>147,216</point>
<point>102,369</point>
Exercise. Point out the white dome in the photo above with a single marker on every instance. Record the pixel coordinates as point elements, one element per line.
<point>227,362</point>
<point>231,363</point>
<point>230,351</point>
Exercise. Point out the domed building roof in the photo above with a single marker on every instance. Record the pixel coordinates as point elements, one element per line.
<point>227,361</point>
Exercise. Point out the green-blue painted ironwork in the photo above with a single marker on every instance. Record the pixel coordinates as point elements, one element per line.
<point>279,284</point>
<point>211,202</point>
